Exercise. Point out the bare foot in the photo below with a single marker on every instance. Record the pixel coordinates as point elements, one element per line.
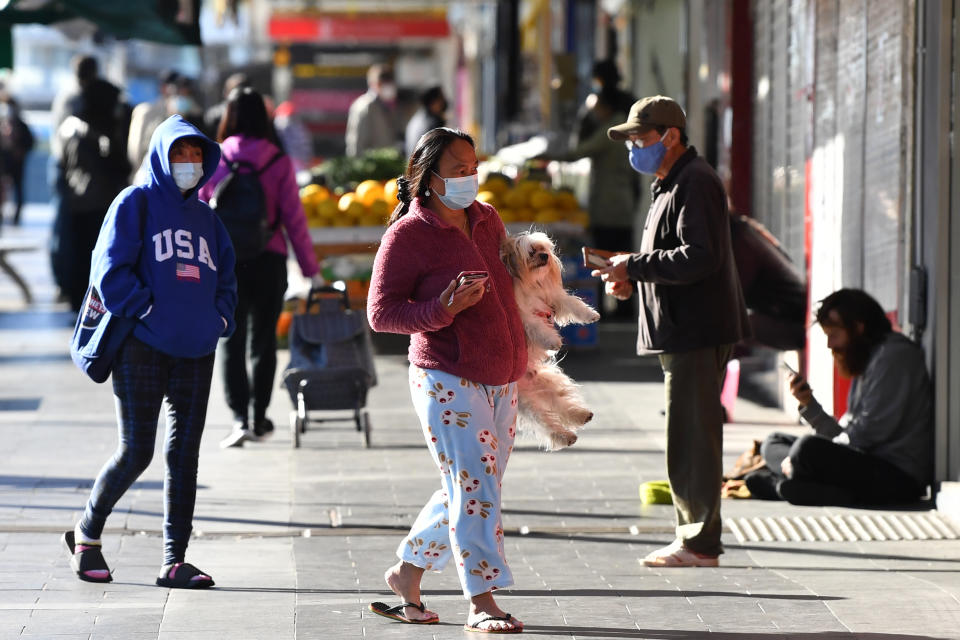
<point>483,606</point>
<point>403,579</point>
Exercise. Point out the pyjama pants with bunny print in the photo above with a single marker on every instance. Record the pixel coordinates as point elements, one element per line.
<point>469,429</point>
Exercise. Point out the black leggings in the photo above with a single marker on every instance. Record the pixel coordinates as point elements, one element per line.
<point>142,378</point>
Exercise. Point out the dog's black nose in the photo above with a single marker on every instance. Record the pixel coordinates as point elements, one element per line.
<point>542,258</point>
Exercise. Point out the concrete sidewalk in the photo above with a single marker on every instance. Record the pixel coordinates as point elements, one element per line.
<point>298,540</point>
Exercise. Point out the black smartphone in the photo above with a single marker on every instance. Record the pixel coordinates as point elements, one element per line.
<point>783,363</point>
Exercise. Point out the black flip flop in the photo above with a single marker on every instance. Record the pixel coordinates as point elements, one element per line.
<point>89,559</point>
<point>475,627</point>
<point>183,574</point>
<point>396,613</point>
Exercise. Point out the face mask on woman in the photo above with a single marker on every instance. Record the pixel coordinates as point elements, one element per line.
<point>646,159</point>
<point>459,192</point>
<point>186,174</point>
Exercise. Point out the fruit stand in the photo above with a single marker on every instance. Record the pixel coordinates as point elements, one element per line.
<point>347,216</point>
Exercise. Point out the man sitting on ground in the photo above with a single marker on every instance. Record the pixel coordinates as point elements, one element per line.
<point>881,450</point>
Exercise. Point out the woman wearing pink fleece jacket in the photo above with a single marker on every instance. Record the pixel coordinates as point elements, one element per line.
<point>467,350</point>
<point>245,134</point>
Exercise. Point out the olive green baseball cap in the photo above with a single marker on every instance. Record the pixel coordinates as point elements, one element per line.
<point>648,113</point>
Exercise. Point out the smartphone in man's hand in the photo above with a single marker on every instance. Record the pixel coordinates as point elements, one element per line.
<point>791,370</point>
<point>598,258</point>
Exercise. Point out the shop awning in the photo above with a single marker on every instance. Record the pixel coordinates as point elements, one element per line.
<point>168,21</point>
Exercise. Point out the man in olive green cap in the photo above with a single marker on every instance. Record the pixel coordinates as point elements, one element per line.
<point>692,313</point>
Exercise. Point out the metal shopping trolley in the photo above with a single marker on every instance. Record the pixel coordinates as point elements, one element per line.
<point>331,361</point>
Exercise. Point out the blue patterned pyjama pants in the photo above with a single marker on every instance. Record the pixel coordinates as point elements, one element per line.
<point>469,429</point>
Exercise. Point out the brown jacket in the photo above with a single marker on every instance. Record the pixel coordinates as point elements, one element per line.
<point>686,275</point>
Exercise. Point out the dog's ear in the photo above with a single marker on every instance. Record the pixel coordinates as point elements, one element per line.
<point>508,255</point>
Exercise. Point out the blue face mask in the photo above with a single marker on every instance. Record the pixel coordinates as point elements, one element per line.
<point>460,192</point>
<point>647,159</point>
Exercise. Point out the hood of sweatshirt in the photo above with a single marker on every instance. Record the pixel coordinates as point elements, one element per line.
<point>168,132</point>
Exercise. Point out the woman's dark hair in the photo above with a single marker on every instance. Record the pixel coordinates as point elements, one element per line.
<point>853,306</point>
<point>415,182</point>
<point>246,114</point>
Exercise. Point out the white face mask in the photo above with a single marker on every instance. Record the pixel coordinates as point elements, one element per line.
<point>458,192</point>
<point>388,92</point>
<point>186,174</point>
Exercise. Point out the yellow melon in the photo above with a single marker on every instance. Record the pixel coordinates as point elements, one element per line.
<point>390,192</point>
<point>541,199</point>
<point>566,200</point>
<point>496,184</point>
<point>327,209</point>
<point>489,197</point>
<point>546,216</point>
<point>516,199</point>
<point>368,191</point>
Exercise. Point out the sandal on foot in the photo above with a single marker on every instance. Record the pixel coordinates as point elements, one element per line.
<point>184,575</point>
<point>396,613</point>
<point>509,619</point>
<point>87,560</point>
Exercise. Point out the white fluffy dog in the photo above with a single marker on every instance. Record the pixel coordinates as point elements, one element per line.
<point>551,406</point>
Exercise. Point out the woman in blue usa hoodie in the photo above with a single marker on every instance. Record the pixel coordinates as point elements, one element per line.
<point>164,258</point>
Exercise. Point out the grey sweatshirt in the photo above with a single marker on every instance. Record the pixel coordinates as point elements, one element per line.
<point>889,410</point>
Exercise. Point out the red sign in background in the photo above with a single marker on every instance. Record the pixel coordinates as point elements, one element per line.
<point>371,28</point>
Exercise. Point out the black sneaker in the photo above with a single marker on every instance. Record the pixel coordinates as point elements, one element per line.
<point>263,429</point>
<point>762,484</point>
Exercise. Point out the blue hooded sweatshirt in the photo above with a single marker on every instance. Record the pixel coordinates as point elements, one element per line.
<point>165,258</point>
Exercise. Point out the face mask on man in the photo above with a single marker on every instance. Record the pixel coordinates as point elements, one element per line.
<point>647,159</point>
<point>459,193</point>
<point>186,174</point>
<point>388,92</point>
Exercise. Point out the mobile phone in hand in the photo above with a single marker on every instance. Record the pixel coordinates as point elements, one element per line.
<point>598,258</point>
<point>467,277</point>
<point>789,369</point>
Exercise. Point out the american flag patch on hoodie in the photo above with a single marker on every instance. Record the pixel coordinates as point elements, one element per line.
<point>188,272</point>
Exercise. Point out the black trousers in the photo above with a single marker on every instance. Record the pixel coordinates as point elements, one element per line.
<point>261,285</point>
<point>870,479</point>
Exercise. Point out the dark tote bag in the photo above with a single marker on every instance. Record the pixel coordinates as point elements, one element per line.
<point>98,336</point>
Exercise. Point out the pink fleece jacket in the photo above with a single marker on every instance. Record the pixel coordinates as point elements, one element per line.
<point>418,257</point>
<point>279,189</point>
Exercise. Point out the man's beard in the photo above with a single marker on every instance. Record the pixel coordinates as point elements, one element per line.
<point>852,360</point>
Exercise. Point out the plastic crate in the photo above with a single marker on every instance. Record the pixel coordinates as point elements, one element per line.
<point>582,335</point>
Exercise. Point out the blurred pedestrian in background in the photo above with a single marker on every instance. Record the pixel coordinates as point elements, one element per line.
<point>214,114</point>
<point>467,351</point>
<point>16,141</point>
<point>430,115</point>
<point>183,304</point>
<point>247,136</point>
<point>692,313</point>
<point>92,168</point>
<point>371,121</point>
<point>605,78</point>
<point>186,102</point>
<point>296,138</point>
<point>613,194</point>
<point>147,116</point>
